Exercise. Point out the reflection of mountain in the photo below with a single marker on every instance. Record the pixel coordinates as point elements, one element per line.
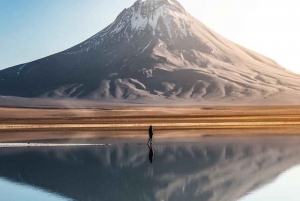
<point>216,171</point>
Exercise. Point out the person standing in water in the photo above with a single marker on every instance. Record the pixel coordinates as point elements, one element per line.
<point>150,135</point>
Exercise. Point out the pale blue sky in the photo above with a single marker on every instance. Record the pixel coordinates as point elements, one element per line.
<point>32,29</point>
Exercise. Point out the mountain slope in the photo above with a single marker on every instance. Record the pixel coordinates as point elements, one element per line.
<point>153,50</point>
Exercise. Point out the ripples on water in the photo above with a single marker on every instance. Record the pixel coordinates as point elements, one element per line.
<point>214,169</point>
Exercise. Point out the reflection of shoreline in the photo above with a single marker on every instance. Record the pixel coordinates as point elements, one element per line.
<point>2,145</point>
<point>133,137</point>
<point>217,169</point>
<point>141,126</point>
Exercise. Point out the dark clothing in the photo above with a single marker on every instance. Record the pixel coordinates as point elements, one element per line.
<point>150,132</point>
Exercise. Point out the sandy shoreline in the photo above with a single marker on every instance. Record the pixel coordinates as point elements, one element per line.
<point>28,124</point>
<point>138,118</point>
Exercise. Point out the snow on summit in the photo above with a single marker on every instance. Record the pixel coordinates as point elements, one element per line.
<point>147,14</point>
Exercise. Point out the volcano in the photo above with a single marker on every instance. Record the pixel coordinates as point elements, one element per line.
<point>154,50</point>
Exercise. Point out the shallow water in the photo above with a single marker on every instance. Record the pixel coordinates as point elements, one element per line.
<point>214,169</point>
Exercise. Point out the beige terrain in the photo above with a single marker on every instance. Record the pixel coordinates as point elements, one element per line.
<point>133,122</point>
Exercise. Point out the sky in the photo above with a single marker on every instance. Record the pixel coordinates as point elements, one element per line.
<point>32,29</point>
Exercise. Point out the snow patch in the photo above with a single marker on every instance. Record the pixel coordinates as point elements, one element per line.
<point>20,69</point>
<point>146,47</point>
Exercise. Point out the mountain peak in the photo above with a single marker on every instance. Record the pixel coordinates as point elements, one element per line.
<point>150,14</point>
<point>159,3</point>
<point>149,6</point>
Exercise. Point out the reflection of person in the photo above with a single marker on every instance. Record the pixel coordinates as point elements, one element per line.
<point>151,153</point>
<point>150,135</point>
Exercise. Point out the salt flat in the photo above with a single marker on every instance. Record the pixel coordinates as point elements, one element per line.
<point>19,124</point>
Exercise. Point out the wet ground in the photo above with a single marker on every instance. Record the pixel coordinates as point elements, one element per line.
<point>211,168</point>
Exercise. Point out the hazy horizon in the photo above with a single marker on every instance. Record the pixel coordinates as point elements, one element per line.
<point>34,29</point>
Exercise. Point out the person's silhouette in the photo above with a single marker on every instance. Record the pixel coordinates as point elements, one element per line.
<point>150,135</point>
<point>151,153</point>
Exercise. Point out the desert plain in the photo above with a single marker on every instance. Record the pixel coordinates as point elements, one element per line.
<point>132,121</point>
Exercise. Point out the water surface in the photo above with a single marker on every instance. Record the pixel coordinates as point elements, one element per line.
<point>213,169</point>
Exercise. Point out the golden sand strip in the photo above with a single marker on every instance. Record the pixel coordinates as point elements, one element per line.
<point>130,126</point>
